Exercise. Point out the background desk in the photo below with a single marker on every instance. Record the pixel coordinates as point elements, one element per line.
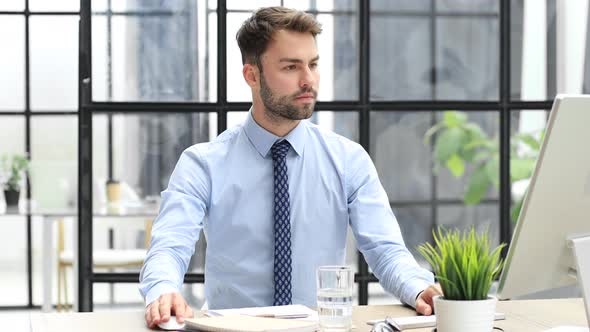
<point>529,316</point>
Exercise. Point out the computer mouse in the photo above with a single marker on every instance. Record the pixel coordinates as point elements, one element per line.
<point>171,325</point>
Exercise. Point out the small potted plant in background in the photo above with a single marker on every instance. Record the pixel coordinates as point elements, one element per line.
<point>465,266</point>
<point>13,170</point>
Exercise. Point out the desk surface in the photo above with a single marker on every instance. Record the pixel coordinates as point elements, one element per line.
<point>530,316</point>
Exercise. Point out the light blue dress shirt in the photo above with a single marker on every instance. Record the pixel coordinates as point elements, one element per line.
<point>226,187</point>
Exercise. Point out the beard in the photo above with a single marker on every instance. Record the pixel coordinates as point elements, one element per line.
<point>283,106</point>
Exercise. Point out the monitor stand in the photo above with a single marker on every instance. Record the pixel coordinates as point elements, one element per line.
<point>581,248</point>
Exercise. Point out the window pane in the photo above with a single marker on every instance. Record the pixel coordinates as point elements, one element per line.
<point>157,57</point>
<point>337,47</point>
<point>12,5</point>
<point>145,150</point>
<point>481,169</point>
<point>405,161</point>
<point>237,89</point>
<point>416,224</point>
<point>400,5</point>
<point>54,6</point>
<point>402,159</point>
<point>144,5</point>
<point>121,296</point>
<point>550,49</point>
<point>125,296</point>
<point>12,129</point>
<point>342,123</point>
<point>54,162</point>
<point>463,66</point>
<point>528,130</point>
<point>151,5</point>
<point>250,5</point>
<point>54,63</point>
<point>467,59</point>
<point>13,260</point>
<point>400,48</point>
<point>12,66</point>
<point>483,216</point>
<point>324,5</point>
<point>468,6</point>
<point>40,256</point>
<point>142,164</point>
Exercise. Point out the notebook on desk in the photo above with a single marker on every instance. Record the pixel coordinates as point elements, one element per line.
<point>243,323</point>
<point>292,311</point>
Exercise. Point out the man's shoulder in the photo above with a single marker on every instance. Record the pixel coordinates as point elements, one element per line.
<point>217,145</point>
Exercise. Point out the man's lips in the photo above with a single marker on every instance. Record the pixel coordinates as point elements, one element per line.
<point>306,96</point>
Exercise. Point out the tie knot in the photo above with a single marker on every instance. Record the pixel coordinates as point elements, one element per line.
<point>280,149</point>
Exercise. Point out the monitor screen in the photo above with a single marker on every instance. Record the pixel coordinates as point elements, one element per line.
<point>556,206</point>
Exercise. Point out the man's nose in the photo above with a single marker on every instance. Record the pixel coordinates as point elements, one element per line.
<point>307,79</point>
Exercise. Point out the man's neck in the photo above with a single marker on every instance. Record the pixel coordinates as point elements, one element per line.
<point>278,126</point>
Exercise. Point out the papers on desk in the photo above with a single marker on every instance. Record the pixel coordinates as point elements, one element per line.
<point>294,311</point>
<point>243,323</point>
<point>260,319</point>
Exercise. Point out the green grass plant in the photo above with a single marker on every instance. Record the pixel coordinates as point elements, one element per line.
<point>463,263</point>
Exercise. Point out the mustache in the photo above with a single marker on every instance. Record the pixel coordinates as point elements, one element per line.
<point>302,91</point>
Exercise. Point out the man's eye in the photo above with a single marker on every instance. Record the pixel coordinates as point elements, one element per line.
<point>313,65</point>
<point>291,67</point>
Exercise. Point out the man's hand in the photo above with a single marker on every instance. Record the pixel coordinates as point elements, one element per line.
<point>424,303</point>
<point>166,305</point>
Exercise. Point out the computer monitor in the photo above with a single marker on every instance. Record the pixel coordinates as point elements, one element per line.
<point>555,208</point>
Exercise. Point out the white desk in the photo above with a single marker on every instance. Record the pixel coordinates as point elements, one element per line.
<point>528,316</point>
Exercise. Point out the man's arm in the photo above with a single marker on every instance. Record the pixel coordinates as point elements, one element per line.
<point>174,234</point>
<point>378,234</point>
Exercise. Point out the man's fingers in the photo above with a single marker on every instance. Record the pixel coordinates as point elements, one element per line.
<point>148,316</point>
<point>164,307</point>
<point>179,308</point>
<point>423,308</point>
<point>155,313</point>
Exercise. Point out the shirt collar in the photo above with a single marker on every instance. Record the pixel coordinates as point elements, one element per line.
<point>263,140</point>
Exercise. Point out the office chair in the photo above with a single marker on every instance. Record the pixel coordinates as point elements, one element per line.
<point>102,259</point>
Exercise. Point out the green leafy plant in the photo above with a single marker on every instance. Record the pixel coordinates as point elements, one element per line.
<point>463,263</point>
<point>13,170</point>
<point>461,144</point>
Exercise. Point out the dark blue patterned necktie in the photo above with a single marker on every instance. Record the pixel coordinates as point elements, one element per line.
<point>282,212</point>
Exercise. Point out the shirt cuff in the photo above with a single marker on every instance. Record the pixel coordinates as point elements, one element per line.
<point>414,289</point>
<point>159,289</point>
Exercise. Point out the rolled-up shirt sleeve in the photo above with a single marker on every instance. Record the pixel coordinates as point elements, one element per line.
<point>177,227</point>
<point>377,231</point>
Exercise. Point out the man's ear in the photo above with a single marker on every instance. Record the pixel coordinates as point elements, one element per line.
<point>251,74</point>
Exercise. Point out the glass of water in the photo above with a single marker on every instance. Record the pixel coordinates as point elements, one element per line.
<point>335,298</point>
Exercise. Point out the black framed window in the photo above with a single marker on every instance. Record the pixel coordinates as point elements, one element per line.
<point>390,71</point>
<point>38,119</point>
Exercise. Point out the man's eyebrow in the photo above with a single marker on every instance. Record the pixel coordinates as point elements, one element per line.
<point>296,60</point>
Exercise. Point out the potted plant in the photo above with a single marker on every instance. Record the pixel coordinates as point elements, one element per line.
<point>465,267</point>
<point>13,170</point>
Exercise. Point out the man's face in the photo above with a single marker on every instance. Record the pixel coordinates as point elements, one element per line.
<point>290,76</point>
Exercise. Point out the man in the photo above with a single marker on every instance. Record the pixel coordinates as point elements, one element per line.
<point>275,195</point>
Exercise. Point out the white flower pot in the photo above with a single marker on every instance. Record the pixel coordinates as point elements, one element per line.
<point>464,316</point>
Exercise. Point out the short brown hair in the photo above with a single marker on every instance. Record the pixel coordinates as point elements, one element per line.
<point>255,33</point>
